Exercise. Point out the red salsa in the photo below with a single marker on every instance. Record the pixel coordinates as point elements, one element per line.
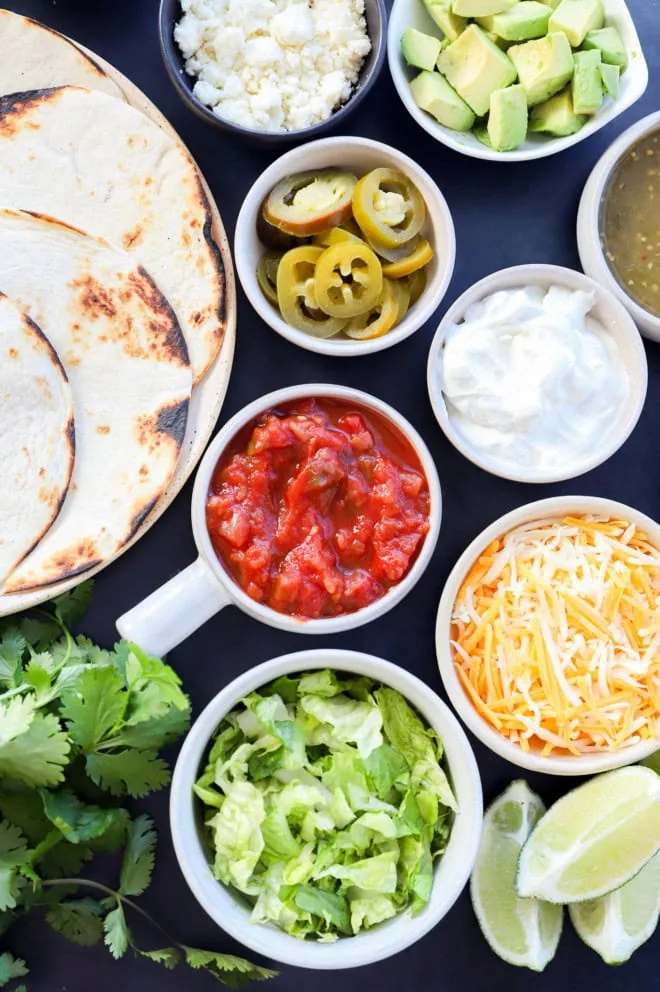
<point>318,508</point>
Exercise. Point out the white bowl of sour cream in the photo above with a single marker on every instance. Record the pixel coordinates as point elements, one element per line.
<point>537,374</point>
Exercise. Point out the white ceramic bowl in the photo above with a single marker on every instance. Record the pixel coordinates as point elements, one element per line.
<point>411,13</point>
<point>231,913</point>
<point>558,506</point>
<point>589,223</point>
<point>360,155</point>
<point>193,596</point>
<point>607,310</point>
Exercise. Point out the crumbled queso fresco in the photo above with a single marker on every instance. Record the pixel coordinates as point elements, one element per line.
<point>273,65</point>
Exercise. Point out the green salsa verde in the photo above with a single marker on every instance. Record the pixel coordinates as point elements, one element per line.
<point>630,223</point>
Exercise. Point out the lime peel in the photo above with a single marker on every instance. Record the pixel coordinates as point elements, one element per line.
<point>594,839</point>
<point>616,925</point>
<point>523,932</point>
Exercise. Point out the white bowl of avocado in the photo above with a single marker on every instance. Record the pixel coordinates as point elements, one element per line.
<point>515,80</point>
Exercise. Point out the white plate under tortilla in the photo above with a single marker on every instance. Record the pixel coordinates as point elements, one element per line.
<point>207,398</point>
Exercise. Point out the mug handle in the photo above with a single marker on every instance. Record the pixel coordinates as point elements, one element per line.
<point>173,612</point>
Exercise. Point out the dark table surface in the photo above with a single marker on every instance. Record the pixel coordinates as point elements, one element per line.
<point>505,215</point>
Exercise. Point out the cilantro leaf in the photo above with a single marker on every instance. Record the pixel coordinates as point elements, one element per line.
<point>15,718</point>
<point>13,845</point>
<point>79,920</point>
<point>11,884</point>
<point>138,862</point>
<point>64,860</point>
<point>25,810</point>
<point>75,821</point>
<point>12,646</point>
<point>37,677</point>
<point>231,971</point>
<point>11,967</point>
<point>39,633</point>
<point>94,705</point>
<point>167,956</point>
<point>38,755</point>
<point>117,934</point>
<point>71,607</point>
<point>141,666</point>
<point>133,771</point>
<point>154,733</point>
<point>114,837</point>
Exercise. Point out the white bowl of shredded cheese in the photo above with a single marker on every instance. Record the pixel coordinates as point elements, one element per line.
<point>547,636</point>
<point>273,70</point>
<point>537,374</point>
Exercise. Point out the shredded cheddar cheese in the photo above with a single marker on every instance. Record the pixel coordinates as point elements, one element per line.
<point>556,635</point>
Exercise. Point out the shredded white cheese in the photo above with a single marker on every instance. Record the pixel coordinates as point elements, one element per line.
<point>273,65</point>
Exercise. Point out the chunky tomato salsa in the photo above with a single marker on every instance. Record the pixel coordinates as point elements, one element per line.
<point>318,508</point>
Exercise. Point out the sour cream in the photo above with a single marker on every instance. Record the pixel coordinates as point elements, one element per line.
<point>531,379</point>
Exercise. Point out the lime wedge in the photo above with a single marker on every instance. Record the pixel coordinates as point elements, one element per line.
<point>617,924</point>
<point>653,761</point>
<point>594,839</point>
<point>523,932</point>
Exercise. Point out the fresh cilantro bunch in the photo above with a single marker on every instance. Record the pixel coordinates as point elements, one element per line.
<point>81,728</point>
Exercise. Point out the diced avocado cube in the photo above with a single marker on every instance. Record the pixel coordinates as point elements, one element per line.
<point>528,19</point>
<point>481,8</point>
<point>432,93</point>
<point>450,24</point>
<point>496,40</point>
<point>609,75</point>
<point>544,66</point>
<point>475,67</point>
<point>610,45</point>
<point>556,116</point>
<point>507,121</point>
<point>419,49</point>
<point>551,3</point>
<point>587,83</point>
<point>576,17</point>
<point>480,131</point>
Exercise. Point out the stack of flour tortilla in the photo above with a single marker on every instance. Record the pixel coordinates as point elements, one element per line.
<point>112,303</point>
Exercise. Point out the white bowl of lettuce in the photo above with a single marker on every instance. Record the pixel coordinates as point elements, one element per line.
<point>326,809</point>
<point>499,81</point>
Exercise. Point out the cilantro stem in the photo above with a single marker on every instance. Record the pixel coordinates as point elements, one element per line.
<point>115,895</point>
<point>46,845</point>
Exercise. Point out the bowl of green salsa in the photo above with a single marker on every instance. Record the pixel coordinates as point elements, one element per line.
<point>619,223</point>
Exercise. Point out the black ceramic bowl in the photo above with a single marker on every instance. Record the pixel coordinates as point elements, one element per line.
<point>170,14</point>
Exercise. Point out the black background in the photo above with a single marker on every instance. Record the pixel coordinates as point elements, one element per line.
<point>505,214</point>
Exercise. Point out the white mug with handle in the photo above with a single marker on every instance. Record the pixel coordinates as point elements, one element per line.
<point>178,608</point>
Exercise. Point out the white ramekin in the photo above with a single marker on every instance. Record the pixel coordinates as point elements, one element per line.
<point>231,913</point>
<point>559,506</point>
<point>360,155</point>
<point>607,310</point>
<point>590,245</point>
<point>193,596</point>
<point>411,13</point>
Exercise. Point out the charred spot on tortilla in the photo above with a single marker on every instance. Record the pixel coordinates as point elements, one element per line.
<point>49,219</point>
<point>174,344</point>
<point>172,420</point>
<point>217,259</point>
<point>132,238</point>
<point>138,519</point>
<point>13,353</point>
<point>90,61</point>
<point>103,429</point>
<point>16,107</point>
<point>54,357</point>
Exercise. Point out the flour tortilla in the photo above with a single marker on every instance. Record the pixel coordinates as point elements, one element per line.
<point>34,57</point>
<point>102,166</point>
<point>127,364</point>
<point>37,437</point>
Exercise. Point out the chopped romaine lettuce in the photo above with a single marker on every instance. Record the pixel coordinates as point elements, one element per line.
<point>326,804</point>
